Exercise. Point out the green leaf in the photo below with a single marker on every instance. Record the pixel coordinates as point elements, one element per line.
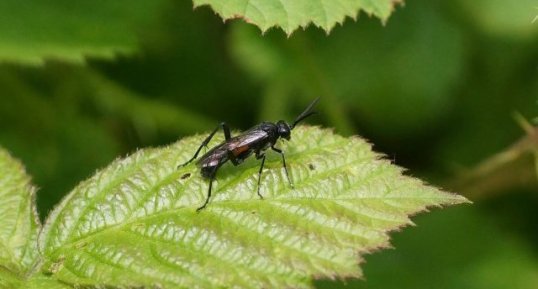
<point>511,20</point>
<point>443,239</point>
<point>390,79</point>
<point>58,118</point>
<point>8,281</point>
<point>292,14</point>
<point>135,222</point>
<point>19,224</point>
<point>70,31</point>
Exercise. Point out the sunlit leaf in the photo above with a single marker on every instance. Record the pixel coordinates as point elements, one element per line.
<point>8,281</point>
<point>135,222</point>
<point>18,219</point>
<point>292,14</point>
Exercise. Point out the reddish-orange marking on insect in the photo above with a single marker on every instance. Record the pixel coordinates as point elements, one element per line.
<point>237,151</point>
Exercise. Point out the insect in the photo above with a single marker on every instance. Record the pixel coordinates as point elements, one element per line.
<point>238,148</point>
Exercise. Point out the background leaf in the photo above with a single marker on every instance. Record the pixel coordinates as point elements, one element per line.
<point>19,224</point>
<point>61,123</point>
<point>63,30</point>
<point>497,17</point>
<point>134,223</point>
<point>70,31</point>
<point>447,106</point>
<point>448,246</point>
<point>394,82</point>
<point>290,14</point>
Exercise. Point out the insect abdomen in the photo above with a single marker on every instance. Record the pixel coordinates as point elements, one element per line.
<point>208,172</point>
<point>209,163</point>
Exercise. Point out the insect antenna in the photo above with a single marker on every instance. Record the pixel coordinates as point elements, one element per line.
<point>306,113</point>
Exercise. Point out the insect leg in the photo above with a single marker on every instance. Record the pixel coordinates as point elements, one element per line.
<point>227,136</point>
<point>226,130</point>
<point>211,179</point>
<point>260,156</point>
<point>284,162</point>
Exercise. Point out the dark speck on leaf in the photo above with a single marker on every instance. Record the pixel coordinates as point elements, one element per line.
<point>185,176</point>
<point>311,167</point>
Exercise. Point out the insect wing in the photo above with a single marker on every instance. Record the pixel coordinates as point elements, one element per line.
<point>250,137</point>
<point>240,145</point>
<point>243,145</point>
<point>214,155</point>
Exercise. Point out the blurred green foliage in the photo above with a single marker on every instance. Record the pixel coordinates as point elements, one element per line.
<point>70,30</point>
<point>434,89</point>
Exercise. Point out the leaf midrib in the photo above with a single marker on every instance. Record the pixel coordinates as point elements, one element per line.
<point>125,174</point>
<point>164,212</point>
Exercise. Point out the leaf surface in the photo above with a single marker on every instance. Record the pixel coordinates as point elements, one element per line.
<point>135,222</point>
<point>292,14</point>
<point>19,224</point>
<point>38,281</point>
<point>71,31</point>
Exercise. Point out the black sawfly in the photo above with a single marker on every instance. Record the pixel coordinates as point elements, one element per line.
<point>238,148</point>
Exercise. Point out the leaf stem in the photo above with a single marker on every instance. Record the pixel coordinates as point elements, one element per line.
<point>511,168</point>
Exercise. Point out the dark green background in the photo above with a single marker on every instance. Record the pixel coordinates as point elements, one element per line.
<point>434,89</point>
